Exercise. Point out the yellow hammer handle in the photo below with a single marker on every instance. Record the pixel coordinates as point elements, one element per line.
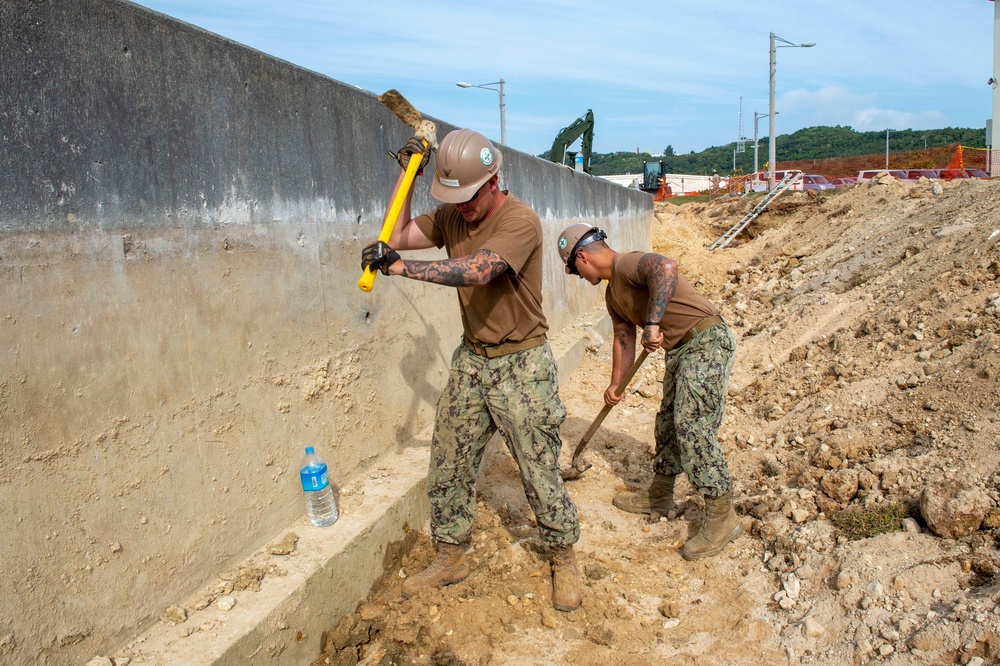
<point>367,280</point>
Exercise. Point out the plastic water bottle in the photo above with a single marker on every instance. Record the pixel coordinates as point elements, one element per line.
<point>321,504</point>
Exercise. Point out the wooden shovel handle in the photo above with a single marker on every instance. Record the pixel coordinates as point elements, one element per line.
<point>622,385</point>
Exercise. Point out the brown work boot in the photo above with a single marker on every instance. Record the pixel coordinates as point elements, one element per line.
<point>719,526</point>
<point>657,499</point>
<point>566,594</point>
<point>449,567</point>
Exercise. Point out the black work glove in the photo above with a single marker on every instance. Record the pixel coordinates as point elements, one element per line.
<point>415,146</point>
<point>378,256</point>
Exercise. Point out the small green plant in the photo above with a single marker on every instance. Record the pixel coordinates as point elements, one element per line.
<point>857,523</point>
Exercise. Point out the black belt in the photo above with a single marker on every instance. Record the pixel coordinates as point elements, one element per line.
<point>504,348</point>
<point>700,326</point>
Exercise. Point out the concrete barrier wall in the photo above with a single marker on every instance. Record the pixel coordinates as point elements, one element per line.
<point>181,219</point>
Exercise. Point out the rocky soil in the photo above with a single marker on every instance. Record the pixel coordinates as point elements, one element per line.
<point>861,432</point>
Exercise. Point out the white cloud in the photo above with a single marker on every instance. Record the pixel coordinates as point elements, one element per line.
<point>867,120</point>
<point>831,105</point>
<point>862,111</point>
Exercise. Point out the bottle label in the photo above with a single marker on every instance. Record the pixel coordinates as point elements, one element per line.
<point>314,478</point>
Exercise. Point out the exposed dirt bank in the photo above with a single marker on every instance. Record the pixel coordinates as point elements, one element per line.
<point>865,390</point>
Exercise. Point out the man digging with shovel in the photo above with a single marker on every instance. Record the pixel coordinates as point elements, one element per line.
<point>503,375</point>
<point>645,290</point>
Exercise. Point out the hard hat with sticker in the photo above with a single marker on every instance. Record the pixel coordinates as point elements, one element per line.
<point>465,160</point>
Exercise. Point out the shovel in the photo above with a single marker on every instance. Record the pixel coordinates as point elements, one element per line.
<point>423,129</point>
<point>575,470</point>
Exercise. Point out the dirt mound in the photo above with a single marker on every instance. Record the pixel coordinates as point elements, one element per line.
<point>861,433</point>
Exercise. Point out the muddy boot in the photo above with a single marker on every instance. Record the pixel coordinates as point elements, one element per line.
<point>657,499</point>
<point>719,526</point>
<point>566,594</point>
<point>449,567</point>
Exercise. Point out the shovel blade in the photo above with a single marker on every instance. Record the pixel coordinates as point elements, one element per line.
<point>574,472</point>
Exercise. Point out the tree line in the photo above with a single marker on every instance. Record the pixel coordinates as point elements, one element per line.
<point>810,143</point>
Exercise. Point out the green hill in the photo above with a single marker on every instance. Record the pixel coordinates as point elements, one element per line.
<point>805,144</point>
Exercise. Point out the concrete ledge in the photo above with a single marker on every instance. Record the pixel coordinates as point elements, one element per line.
<point>332,569</point>
<point>330,572</point>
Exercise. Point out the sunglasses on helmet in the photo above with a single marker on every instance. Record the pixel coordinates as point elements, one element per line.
<point>590,237</point>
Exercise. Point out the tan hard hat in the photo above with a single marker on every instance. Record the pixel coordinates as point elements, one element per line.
<point>465,160</point>
<point>573,238</point>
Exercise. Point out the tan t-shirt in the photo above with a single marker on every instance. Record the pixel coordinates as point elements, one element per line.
<point>627,297</point>
<point>508,308</point>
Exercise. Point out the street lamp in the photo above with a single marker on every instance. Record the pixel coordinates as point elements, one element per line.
<point>503,106</point>
<point>771,113</point>
<point>756,117</point>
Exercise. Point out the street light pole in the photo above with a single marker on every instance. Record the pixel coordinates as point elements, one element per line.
<point>756,117</point>
<point>503,103</point>
<point>771,112</point>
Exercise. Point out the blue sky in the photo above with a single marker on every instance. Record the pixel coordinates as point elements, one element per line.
<point>654,74</point>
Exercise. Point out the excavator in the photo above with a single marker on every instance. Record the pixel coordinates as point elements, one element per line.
<point>581,127</point>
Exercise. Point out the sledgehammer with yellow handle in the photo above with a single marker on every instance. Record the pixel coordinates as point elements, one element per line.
<point>367,280</point>
<point>427,132</point>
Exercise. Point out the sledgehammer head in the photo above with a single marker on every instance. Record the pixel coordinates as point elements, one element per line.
<point>401,107</point>
<point>422,128</point>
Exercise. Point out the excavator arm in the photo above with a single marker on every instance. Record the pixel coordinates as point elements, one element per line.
<point>581,127</point>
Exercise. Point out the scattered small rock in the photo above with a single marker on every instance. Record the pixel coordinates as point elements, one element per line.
<point>842,485</point>
<point>952,511</point>
<point>670,609</point>
<point>7,644</point>
<point>811,628</point>
<point>286,546</point>
<point>175,614</point>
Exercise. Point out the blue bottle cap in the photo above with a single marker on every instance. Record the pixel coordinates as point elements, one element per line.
<point>310,450</point>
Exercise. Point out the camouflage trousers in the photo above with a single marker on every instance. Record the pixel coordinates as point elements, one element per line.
<point>694,397</point>
<point>516,394</point>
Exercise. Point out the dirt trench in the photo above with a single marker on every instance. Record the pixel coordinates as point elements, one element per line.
<point>861,432</point>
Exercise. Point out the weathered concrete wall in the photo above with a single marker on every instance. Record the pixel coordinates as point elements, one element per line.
<point>180,224</point>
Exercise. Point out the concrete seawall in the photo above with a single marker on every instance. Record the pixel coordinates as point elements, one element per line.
<point>181,219</point>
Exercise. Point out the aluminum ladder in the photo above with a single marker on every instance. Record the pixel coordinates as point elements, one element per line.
<point>786,183</point>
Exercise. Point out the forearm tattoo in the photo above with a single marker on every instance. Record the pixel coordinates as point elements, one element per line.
<point>475,269</point>
<point>624,335</point>
<point>660,275</point>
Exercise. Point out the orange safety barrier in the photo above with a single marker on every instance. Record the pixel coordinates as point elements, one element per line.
<point>978,161</point>
<point>664,191</point>
<point>956,167</point>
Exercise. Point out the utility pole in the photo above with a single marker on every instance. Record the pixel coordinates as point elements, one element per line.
<point>771,112</point>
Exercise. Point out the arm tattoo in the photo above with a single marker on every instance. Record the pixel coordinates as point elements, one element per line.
<point>624,335</point>
<point>469,271</point>
<point>660,275</point>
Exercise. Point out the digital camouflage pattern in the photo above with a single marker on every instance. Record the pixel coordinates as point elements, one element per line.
<point>517,394</point>
<point>694,397</point>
